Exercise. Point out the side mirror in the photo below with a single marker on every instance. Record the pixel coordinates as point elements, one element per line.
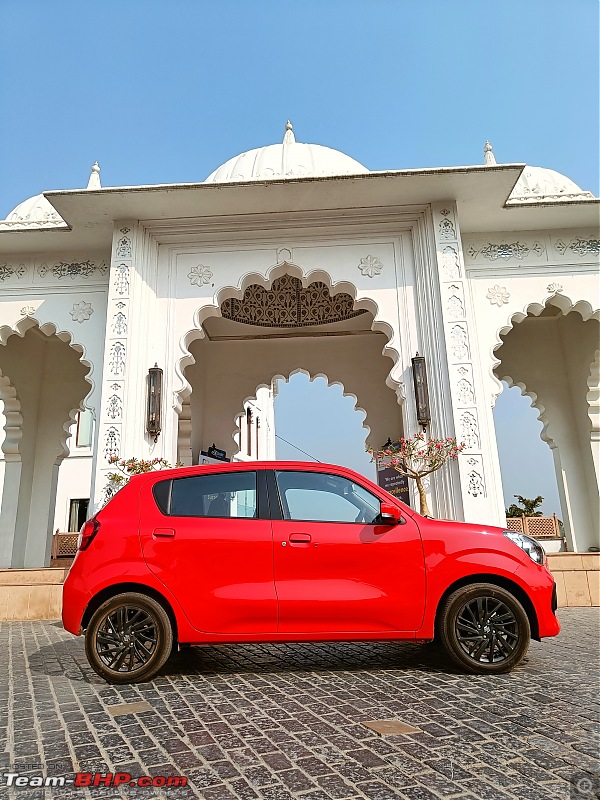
<point>390,515</point>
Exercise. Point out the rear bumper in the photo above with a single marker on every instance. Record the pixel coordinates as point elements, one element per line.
<point>75,600</point>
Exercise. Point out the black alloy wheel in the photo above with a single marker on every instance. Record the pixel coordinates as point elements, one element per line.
<point>129,638</point>
<point>484,628</point>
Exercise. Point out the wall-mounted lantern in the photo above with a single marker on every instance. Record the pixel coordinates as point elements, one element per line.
<point>421,390</point>
<point>153,409</point>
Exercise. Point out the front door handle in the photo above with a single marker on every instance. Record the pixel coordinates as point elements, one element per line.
<point>163,533</point>
<point>299,538</point>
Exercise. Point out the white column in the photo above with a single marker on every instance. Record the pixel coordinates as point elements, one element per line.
<point>471,416</point>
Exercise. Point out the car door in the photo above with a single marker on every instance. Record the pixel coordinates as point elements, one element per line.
<point>208,538</point>
<point>336,568</point>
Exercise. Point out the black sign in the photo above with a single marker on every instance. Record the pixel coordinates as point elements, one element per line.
<point>393,482</point>
<point>214,452</point>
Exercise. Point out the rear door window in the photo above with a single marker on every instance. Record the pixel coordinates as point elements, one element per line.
<point>228,495</point>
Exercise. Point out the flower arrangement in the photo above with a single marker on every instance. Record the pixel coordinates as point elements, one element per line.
<point>418,457</point>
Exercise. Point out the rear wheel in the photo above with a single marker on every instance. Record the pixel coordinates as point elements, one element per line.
<point>129,638</point>
<point>484,629</point>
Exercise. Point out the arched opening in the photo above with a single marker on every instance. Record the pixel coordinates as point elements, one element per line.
<point>274,332</point>
<point>44,383</point>
<point>549,353</point>
<point>320,419</point>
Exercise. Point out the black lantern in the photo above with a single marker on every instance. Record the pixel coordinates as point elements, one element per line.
<point>153,416</point>
<point>421,390</point>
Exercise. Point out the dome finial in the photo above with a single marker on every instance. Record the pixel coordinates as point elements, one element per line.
<point>289,137</point>
<point>488,154</point>
<point>94,181</point>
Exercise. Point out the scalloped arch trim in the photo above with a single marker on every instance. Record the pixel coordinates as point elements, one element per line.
<point>186,359</point>
<point>14,423</point>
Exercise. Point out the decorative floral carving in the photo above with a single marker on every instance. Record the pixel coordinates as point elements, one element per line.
<point>114,407</point>
<point>455,307</point>
<point>81,311</point>
<point>450,262</point>
<point>469,432</point>
<point>446,229</point>
<point>6,271</point>
<point>554,288</point>
<point>125,231</point>
<point>284,254</point>
<point>498,295</point>
<point>124,248</point>
<point>476,486</point>
<point>103,268</point>
<point>121,282</point>
<point>27,311</point>
<point>506,250</point>
<point>476,483</point>
<point>73,269</point>
<point>116,360</point>
<point>199,275</point>
<point>464,392</point>
<point>43,269</point>
<point>111,443</point>
<point>288,304</point>
<point>459,343</point>
<point>119,324</point>
<point>583,247</point>
<point>116,387</point>
<point>370,266</point>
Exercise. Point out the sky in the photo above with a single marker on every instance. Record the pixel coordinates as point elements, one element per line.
<point>164,92</point>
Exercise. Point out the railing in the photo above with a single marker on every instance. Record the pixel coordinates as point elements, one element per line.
<point>64,545</point>
<point>537,527</point>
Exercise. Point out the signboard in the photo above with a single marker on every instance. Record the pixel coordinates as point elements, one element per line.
<point>212,455</point>
<point>393,482</point>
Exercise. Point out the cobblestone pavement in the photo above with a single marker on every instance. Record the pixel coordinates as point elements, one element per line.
<point>277,722</point>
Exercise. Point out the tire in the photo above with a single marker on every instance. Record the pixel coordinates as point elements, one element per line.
<point>122,655</point>
<point>484,629</point>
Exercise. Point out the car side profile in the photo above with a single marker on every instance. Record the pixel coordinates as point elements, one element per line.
<point>295,551</point>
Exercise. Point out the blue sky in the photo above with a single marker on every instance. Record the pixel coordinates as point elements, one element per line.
<point>163,92</point>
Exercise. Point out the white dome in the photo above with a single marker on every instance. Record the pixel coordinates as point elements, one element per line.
<point>539,183</point>
<point>291,159</point>
<point>35,212</point>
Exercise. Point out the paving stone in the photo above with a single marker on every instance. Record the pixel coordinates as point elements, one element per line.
<point>281,722</point>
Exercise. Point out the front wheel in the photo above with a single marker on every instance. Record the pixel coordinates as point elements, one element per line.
<point>129,638</point>
<point>484,629</point>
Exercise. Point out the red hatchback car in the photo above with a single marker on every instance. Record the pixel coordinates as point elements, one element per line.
<point>291,551</point>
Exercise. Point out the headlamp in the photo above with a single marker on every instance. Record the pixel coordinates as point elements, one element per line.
<point>534,549</point>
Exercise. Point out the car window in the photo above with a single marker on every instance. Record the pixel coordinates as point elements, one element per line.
<point>320,497</point>
<point>230,494</point>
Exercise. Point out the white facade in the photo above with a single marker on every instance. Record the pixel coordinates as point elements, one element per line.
<point>295,257</point>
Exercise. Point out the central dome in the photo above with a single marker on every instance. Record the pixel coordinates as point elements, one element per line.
<point>291,159</point>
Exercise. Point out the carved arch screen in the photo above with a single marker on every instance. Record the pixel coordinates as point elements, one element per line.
<point>289,305</point>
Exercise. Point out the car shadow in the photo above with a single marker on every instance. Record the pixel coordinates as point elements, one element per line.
<point>66,658</point>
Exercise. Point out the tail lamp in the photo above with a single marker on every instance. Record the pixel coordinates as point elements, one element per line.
<point>87,533</point>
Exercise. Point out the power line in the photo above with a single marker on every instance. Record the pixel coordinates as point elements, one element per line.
<point>295,446</point>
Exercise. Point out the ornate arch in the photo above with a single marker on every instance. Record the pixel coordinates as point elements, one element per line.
<point>49,329</point>
<point>236,435</point>
<point>266,281</point>
<point>561,301</point>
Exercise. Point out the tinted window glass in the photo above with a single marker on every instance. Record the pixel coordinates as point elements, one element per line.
<point>162,493</point>
<point>319,497</point>
<point>230,494</point>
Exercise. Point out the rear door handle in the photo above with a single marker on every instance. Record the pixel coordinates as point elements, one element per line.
<point>299,538</point>
<point>163,533</point>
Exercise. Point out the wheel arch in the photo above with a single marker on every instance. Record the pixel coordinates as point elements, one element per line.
<point>121,588</point>
<point>497,580</point>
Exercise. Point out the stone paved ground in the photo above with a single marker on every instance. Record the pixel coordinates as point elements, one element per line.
<point>284,721</point>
